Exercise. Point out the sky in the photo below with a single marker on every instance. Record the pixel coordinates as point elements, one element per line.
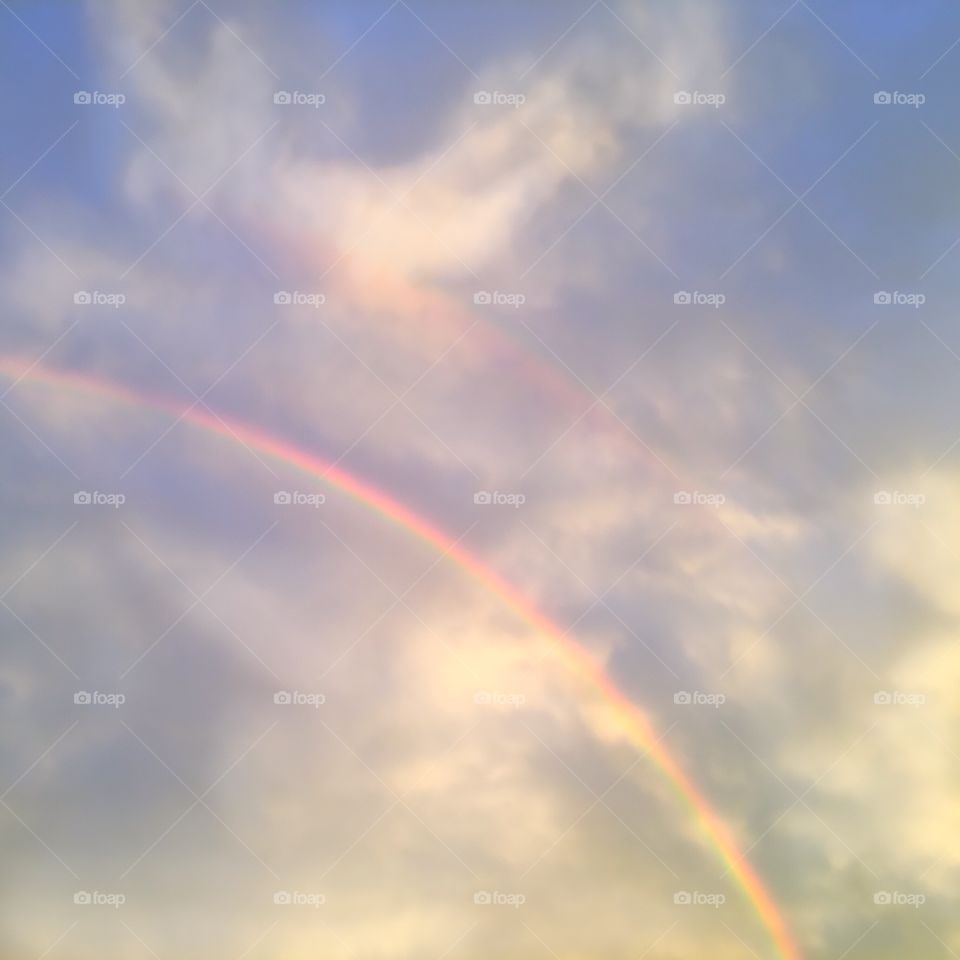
<point>479,479</point>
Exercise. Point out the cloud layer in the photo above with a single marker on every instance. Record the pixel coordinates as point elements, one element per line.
<point>648,309</point>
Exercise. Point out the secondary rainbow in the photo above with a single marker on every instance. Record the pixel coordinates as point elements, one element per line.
<point>634,722</point>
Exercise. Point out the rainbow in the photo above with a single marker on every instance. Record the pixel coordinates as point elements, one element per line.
<point>502,348</point>
<point>632,720</point>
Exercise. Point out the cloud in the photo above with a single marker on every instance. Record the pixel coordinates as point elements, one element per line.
<point>598,399</point>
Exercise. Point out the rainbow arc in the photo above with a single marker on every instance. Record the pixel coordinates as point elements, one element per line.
<point>631,719</point>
